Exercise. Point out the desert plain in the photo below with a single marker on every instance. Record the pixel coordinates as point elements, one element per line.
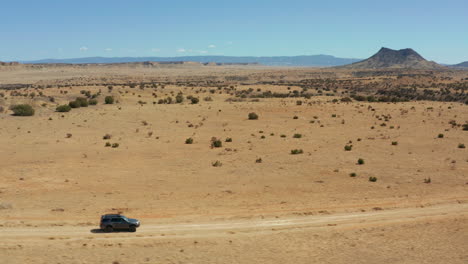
<point>287,187</point>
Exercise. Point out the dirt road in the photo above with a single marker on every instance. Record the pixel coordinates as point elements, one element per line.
<point>153,228</point>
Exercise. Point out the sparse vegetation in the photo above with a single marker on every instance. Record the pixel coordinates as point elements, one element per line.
<point>189,141</point>
<point>63,108</point>
<point>372,179</point>
<point>296,151</point>
<point>461,145</point>
<point>360,161</point>
<point>22,110</point>
<point>348,147</point>
<point>253,116</point>
<point>217,164</point>
<point>109,99</point>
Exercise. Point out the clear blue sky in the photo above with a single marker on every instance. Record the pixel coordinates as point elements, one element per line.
<point>37,29</point>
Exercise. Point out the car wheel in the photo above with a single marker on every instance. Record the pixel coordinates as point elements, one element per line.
<point>108,229</point>
<point>132,228</point>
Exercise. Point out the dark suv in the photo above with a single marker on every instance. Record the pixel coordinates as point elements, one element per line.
<point>110,222</point>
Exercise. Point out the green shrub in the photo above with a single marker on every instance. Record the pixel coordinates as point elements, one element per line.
<point>109,99</point>
<point>253,116</point>
<point>108,144</point>
<point>189,141</point>
<point>360,161</point>
<point>333,115</point>
<point>427,180</point>
<point>348,147</point>
<point>283,136</point>
<point>179,98</point>
<point>228,139</point>
<point>372,179</point>
<point>462,146</point>
<point>82,101</point>
<point>93,102</point>
<point>63,108</point>
<point>22,110</point>
<point>394,143</point>
<point>216,143</point>
<point>465,127</point>
<point>295,117</point>
<point>106,136</point>
<point>74,104</point>
<point>115,145</point>
<point>440,136</point>
<point>352,174</point>
<point>194,100</point>
<point>296,151</point>
<point>259,160</point>
<point>297,136</point>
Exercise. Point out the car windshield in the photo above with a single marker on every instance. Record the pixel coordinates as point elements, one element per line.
<point>124,218</point>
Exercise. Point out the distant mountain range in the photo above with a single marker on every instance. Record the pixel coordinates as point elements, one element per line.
<point>306,60</point>
<point>461,65</point>
<point>396,59</point>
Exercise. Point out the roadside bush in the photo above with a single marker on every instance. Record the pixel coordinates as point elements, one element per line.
<point>296,151</point>
<point>253,116</point>
<point>22,110</point>
<point>63,108</point>
<point>109,100</point>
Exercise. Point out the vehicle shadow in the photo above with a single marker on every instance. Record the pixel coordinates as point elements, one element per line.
<point>100,231</point>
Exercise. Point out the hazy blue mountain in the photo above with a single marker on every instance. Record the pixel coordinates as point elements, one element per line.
<point>460,65</point>
<point>306,60</point>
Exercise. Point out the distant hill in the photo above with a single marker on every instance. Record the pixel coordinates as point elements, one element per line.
<point>312,60</point>
<point>397,59</point>
<point>460,65</point>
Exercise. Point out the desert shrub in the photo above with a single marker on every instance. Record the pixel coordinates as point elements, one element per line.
<point>333,115</point>
<point>346,100</point>
<point>462,146</point>
<point>427,180</point>
<point>179,98</point>
<point>296,151</point>
<point>63,108</point>
<point>360,161</point>
<point>262,137</point>
<point>465,127</point>
<point>194,100</point>
<point>295,117</point>
<point>107,136</point>
<point>82,101</point>
<point>93,102</point>
<point>189,141</point>
<point>372,179</point>
<point>208,99</point>
<point>22,110</point>
<point>228,139</point>
<point>74,104</point>
<point>115,145</point>
<point>352,174</point>
<point>216,143</point>
<point>1,109</point>
<point>217,164</point>
<point>109,100</point>
<point>259,160</point>
<point>253,116</point>
<point>348,147</point>
<point>298,102</point>
<point>283,136</point>
<point>297,136</point>
<point>108,144</point>
<point>394,143</point>
<point>69,135</point>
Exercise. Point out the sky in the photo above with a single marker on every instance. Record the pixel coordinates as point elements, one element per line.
<point>33,29</point>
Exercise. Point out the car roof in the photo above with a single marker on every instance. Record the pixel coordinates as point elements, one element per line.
<point>111,215</point>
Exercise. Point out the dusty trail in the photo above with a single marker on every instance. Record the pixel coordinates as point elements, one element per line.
<point>151,228</point>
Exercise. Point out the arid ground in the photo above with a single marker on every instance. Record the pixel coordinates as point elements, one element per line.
<point>250,200</point>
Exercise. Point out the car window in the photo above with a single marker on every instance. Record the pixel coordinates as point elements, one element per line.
<point>105,220</point>
<point>117,220</point>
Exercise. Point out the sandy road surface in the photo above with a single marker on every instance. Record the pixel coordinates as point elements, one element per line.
<point>151,228</point>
